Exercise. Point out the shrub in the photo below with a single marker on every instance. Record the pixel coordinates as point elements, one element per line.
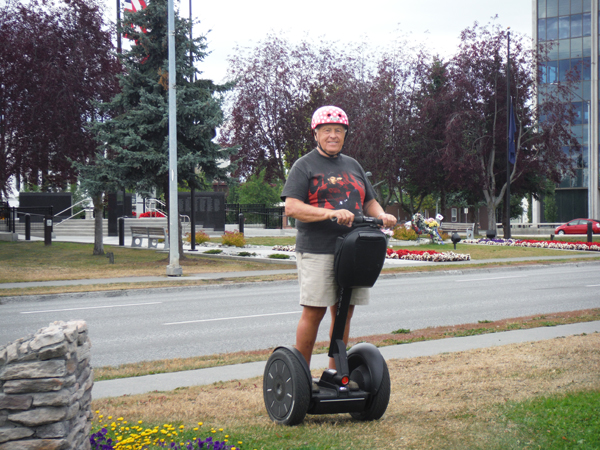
<point>279,256</point>
<point>214,251</point>
<point>403,234</point>
<point>233,238</point>
<point>246,254</point>
<point>201,237</point>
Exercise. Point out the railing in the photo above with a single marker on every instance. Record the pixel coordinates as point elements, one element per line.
<point>255,214</point>
<point>12,219</point>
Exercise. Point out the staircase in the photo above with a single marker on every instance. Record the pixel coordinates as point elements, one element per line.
<point>85,227</point>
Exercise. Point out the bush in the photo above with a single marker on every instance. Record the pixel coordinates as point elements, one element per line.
<point>201,237</point>
<point>233,238</point>
<point>279,256</point>
<point>403,234</point>
<point>214,251</point>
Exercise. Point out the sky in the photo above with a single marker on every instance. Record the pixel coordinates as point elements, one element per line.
<point>437,23</point>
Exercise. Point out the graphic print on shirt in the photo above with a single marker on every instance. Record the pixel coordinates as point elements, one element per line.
<point>337,191</point>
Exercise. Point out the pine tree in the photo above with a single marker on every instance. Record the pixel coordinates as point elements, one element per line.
<point>134,146</point>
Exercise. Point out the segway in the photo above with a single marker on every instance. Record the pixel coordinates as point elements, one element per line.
<point>288,385</point>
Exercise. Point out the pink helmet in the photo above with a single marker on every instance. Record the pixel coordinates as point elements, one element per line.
<point>329,114</point>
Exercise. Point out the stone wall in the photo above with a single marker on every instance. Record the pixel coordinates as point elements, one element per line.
<point>46,390</point>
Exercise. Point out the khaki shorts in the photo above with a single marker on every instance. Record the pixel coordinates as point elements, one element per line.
<point>317,282</point>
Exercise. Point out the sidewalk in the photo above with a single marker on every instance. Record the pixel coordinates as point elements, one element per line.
<point>171,381</point>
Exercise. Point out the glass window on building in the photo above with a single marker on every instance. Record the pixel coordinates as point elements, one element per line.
<point>587,24</point>
<point>541,29</point>
<point>564,49</point>
<point>577,6</point>
<point>564,27</point>
<point>576,48</point>
<point>551,8</point>
<point>564,65</point>
<point>552,74</point>
<point>541,8</point>
<point>551,28</point>
<point>577,25</point>
<point>564,7</point>
<point>587,46</point>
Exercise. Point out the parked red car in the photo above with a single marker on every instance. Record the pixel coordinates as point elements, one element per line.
<point>578,226</point>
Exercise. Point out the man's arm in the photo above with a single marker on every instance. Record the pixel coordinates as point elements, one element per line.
<point>307,213</point>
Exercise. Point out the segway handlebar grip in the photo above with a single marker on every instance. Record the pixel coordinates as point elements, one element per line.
<point>363,219</point>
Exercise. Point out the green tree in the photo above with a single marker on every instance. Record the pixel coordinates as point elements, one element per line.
<point>134,147</point>
<point>257,190</point>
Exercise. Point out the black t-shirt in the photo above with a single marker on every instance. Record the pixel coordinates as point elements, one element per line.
<point>333,183</point>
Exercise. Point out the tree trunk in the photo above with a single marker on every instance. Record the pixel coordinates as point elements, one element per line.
<point>491,212</point>
<point>98,244</point>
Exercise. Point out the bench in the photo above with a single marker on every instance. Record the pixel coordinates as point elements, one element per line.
<point>454,227</point>
<point>153,234</point>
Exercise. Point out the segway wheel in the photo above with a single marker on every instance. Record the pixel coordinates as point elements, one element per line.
<point>378,402</point>
<point>286,388</point>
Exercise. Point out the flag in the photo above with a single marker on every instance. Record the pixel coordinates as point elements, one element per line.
<point>134,5</point>
<point>512,129</point>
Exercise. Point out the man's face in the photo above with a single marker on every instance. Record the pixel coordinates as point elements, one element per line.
<point>331,138</point>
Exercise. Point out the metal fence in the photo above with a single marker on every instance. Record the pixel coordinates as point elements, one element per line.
<point>13,219</point>
<point>254,214</point>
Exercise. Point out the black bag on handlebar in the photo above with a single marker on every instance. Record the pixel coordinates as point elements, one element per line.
<point>359,257</point>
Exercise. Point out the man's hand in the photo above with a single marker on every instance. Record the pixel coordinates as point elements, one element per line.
<point>342,216</point>
<point>389,221</point>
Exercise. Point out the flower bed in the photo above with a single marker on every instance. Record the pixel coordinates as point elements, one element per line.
<point>118,434</point>
<point>151,214</point>
<point>558,245</point>
<point>426,255</point>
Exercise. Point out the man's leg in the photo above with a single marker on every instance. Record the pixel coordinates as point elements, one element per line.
<point>308,327</point>
<point>333,309</point>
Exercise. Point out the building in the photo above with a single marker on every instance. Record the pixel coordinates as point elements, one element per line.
<point>572,26</point>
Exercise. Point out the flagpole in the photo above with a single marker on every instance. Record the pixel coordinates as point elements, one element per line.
<point>119,47</point>
<point>507,233</point>
<point>173,269</point>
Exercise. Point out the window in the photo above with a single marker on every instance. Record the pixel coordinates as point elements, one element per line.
<point>541,29</point>
<point>587,24</point>
<point>454,214</point>
<point>552,28</point>
<point>551,8</point>
<point>552,74</point>
<point>564,65</point>
<point>564,27</point>
<point>577,25</point>
<point>564,7</point>
<point>542,8</point>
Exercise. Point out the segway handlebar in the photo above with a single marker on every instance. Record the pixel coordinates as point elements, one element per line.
<point>358,220</point>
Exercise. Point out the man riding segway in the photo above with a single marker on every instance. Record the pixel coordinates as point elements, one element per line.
<point>324,192</point>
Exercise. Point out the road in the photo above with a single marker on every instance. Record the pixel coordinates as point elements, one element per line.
<point>162,324</point>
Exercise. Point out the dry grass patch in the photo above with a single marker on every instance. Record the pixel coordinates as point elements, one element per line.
<point>447,401</point>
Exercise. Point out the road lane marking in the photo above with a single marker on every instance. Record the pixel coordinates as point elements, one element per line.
<point>231,318</point>
<point>90,307</point>
<point>491,278</point>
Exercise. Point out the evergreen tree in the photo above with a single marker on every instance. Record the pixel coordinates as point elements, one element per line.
<point>134,144</point>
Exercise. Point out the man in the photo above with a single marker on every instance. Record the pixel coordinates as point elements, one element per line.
<point>324,191</point>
